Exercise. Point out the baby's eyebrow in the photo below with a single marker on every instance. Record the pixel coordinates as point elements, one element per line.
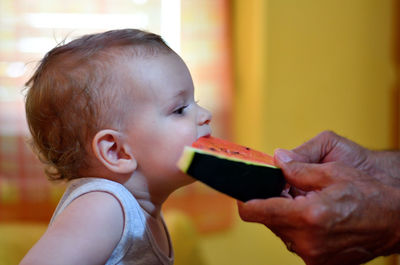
<point>173,102</point>
<point>180,92</point>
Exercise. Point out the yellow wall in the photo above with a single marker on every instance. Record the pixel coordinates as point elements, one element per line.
<point>310,65</point>
<point>302,67</point>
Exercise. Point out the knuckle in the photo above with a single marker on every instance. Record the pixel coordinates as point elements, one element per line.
<point>330,170</point>
<point>327,168</point>
<point>310,251</point>
<point>315,216</point>
<point>294,170</point>
<point>328,134</point>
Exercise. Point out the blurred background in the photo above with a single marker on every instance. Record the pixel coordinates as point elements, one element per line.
<point>273,72</point>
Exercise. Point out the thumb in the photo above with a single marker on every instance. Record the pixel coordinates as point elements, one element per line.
<point>304,176</point>
<point>316,149</point>
<point>287,156</point>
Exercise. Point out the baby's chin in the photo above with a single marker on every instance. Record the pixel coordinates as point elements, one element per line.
<point>185,179</point>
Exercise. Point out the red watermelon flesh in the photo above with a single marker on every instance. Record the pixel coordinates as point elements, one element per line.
<point>232,150</point>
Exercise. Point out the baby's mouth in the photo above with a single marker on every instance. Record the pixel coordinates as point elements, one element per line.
<point>206,133</point>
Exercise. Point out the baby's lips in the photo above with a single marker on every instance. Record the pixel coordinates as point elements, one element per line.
<point>206,133</point>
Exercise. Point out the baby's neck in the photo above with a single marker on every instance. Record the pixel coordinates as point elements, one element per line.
<point>151,206</point>
<point>150,201</point>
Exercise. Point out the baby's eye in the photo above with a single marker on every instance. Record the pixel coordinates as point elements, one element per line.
<point>180,110</point>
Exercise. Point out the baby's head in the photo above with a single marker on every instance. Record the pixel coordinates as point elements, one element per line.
<point>106,97</point>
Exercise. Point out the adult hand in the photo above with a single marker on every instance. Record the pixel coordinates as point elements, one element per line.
<point>347,211</point>
<point>330,147</point>
<point>345,217</point>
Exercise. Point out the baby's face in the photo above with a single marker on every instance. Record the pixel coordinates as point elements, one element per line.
<point>163,116</point>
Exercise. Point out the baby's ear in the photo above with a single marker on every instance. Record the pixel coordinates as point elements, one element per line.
<point>110,149</point>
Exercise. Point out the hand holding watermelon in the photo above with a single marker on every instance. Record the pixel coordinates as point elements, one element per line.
<point>349,209</point>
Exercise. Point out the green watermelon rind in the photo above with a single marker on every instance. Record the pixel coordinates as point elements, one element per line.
<point>189,153</point>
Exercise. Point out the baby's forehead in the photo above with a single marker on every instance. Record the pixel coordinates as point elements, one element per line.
<point>140,69</point>
<point>133,53</point>
<point>128,76</point>
<point>133,59</point>
<point>128,71</point>
<point>150,76</point>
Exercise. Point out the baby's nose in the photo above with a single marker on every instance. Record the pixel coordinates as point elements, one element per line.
<point>204,116</point>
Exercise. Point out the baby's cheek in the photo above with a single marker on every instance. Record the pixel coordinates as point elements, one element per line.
<point>188,135</point>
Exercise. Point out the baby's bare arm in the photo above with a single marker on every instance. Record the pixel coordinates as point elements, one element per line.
<point>86,232</point>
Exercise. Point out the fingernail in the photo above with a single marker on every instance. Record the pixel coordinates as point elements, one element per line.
<point>283,155</point>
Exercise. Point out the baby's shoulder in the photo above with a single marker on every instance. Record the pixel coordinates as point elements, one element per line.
<point>92,223</point>
<point>94,211</point>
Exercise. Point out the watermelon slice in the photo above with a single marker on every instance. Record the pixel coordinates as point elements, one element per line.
<point>235,170</point>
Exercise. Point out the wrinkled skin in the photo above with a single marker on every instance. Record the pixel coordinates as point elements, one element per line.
<point>345,203</point>
<point>330,147</point>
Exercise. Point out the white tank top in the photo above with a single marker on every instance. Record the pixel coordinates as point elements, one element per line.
<point>137,244</point>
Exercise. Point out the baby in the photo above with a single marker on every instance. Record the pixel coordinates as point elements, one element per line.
<point>110,113</point>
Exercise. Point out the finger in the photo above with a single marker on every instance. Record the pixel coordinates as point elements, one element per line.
<point>272,212</point>
<point>318,147</point>
<point>308,177</point>
<point>282,157</point>
<point>285,156</point>
<point>294,192</point>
